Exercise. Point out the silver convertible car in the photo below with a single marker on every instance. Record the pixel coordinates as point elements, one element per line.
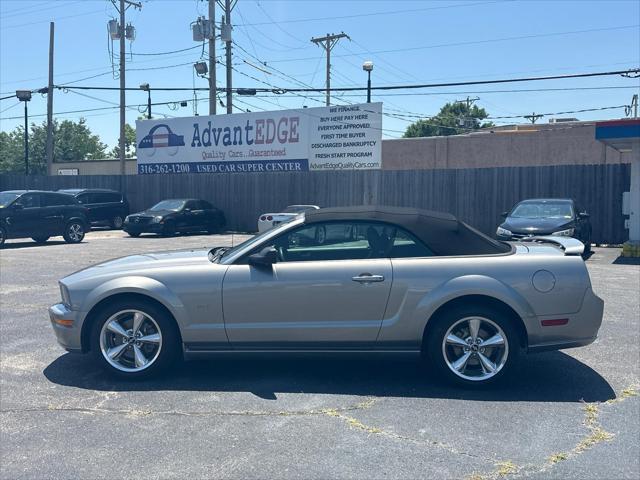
<point>399,280</point>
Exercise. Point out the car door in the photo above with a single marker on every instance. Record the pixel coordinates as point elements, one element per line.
<point>25,216</point>
<point>88,200</point>
<point>329,294</point>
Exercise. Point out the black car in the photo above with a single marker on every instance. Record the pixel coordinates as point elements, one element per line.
<point>546,216</point>
<point>106,207</point>
<point>178,215</point>
<point>40,215</point>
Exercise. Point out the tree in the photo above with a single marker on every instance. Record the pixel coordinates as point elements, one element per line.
<point>72,141</point>
<point>129,143</point>
<point>453,119</point>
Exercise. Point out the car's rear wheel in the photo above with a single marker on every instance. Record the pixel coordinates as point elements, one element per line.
<point>40,239</point>
<point>134,339</point>
<point>74,232</point>
<point>473,346</point>
<point>116,222</point>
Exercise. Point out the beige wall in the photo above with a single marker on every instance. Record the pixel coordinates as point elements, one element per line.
<point>524,145</point>
<point>98,167</point>
<point>550,145</point>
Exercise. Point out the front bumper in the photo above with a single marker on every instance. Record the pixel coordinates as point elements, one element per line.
<point>67,327</point>
<point>143,228</point>
<point>580,330</point>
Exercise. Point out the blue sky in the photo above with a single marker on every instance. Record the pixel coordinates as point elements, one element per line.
<point>409,42</point>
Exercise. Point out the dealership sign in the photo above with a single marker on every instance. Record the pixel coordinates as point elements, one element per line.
<point>344,137</point>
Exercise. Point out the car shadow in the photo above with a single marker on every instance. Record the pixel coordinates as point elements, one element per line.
<point>31,244</point>
<point>626,261</point>
<point>544,377</point>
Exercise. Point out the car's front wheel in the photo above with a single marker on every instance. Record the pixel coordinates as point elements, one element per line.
<point>473,346</point>
<point>74,232</point>
<point>134,339</point>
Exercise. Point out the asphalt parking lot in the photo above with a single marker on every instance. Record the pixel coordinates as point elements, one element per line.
<point>570,414</point>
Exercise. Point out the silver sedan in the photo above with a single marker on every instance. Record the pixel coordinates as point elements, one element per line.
<point>389,280</point>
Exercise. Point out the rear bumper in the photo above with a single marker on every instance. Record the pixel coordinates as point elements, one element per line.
<point>581,328</point>
<point>66,325</point>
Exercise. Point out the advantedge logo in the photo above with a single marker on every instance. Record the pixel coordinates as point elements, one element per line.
<point>284,130</point>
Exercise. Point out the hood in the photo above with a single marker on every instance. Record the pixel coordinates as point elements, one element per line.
<point>536,225</point>
<point>143,262</point>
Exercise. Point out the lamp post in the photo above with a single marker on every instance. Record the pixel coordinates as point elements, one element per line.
<point>25,96</point>
<point>145,87</point>
<point>368,67</point>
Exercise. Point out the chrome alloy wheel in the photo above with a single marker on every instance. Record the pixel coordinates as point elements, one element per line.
<point>475,348</point>
<point>130,340</point>
<point>76,232</point>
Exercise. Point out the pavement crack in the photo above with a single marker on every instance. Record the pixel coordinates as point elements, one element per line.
<point>595,434</point>
<point>132,413</point>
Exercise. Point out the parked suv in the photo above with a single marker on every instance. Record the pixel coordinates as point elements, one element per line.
<point>106,207</point>
<point>40,215</point>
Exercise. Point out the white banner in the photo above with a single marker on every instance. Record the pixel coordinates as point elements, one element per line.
<point>345,137</point>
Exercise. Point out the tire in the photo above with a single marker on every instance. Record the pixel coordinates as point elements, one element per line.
<point>3,236</point>
<point>40,239</point>
<point>134,234</point>
<point>116,222</point>
<point>74,232</point>
<point>476,370</point>
<point>160,351</point>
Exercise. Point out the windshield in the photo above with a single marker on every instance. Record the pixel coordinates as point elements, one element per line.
<point>6,198</point>
<point>543,210</point>
<point>174,205</point>
<point>297,209</point>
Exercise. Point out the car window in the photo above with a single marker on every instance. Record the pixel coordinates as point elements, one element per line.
<point>57,199</point>
<point>105,197</point>
<point>346,241</point>
<point>206,205</point>
<point>29,200</point>
<point>83,198</point>
<point>113,197</point>
<point>192,205</point>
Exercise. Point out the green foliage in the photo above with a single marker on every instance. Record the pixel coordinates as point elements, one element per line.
<point>129,144</point>
<point>453,119</point>
<point>72,141</point>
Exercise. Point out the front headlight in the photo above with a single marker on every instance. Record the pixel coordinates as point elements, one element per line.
<point>64,294</point>
<point>503,232</point>
<point>564,233</point>
<point>157,219</point>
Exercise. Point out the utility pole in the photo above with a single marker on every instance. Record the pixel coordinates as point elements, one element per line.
<point>226,37</point>
<point>123,33</point>
<point>533,117</point>
<point>49,144</point>
<point>213,94</point>
<point>328,42</point>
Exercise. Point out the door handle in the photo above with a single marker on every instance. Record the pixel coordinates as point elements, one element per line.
<point>368,278</point>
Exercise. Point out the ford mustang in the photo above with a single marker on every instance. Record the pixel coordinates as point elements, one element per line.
<point>399,280</point>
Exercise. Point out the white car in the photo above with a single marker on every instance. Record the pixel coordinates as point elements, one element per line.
<point>270,220</point>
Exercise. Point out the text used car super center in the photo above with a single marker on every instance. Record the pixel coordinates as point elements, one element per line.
<point>346,137</point>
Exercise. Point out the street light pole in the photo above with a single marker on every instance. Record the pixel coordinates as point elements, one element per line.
<point>26,139</point>
<point>25,96</point>
<point>145,87</point>
<point>368,67</point>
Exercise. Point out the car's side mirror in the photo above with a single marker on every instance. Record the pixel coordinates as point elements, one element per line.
<point>584,215</point>
<point>264,258</point>
<point>17,206</point>
<point>504,214</point>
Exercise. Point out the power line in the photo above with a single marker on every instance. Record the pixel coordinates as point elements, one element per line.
<point>360,15</point>
<point>472,42</point>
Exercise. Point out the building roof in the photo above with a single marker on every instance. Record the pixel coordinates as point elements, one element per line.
<point>443,233</point>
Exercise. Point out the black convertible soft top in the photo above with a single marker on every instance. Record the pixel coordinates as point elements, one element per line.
<point>443,233</point>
